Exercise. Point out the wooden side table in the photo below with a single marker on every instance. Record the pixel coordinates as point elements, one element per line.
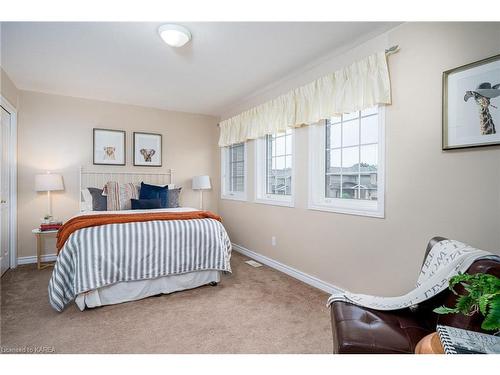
<point>430,344</point>
<point>40,236</point>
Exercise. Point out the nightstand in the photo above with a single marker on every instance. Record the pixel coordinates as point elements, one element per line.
<point>40,237</point>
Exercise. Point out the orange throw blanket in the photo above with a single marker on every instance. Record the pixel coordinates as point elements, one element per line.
<point>86,221</point>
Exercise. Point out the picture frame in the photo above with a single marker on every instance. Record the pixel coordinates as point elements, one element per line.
<point>109,147</point>
<point>147,149</point>
<point>471,105</point>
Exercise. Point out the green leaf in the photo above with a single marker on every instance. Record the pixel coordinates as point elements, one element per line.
<point>465,304</point>
<point>483,303</point>
<point>445,310</point>
<point>492,320</point>
<point>482,293</point>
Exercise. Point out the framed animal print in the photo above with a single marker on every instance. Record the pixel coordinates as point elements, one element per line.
<point>147,149</point>
<point>471,105</point>
<point>109,147</point>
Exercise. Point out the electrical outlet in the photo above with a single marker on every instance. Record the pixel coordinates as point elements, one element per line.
<point>273,240</point>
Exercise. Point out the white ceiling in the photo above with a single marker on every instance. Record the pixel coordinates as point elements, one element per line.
<point>129,63</point>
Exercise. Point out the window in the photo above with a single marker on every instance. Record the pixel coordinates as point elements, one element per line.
<point>274,169</point>
<point>347,159</point>
<point>233,169</point>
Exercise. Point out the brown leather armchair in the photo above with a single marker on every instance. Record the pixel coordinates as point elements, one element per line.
<point>358,330</point>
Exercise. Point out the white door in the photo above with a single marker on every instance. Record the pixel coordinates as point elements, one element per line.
<point>4,190</point>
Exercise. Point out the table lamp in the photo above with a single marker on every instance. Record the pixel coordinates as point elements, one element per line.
<point>201,183</point>
<point>48,182</point>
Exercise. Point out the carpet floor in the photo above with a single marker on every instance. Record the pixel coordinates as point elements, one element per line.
<point>253,310</point>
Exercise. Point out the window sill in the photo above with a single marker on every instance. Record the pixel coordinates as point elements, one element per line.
<point>241,198</point>
<point>347,211</point>
<point>275,202</point>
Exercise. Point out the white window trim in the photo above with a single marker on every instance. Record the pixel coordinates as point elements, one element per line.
<point>225,193</point>
<point>316,199</point>
<point>261,195</point>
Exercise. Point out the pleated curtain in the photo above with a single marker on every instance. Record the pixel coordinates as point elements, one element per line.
<point>356,87</point>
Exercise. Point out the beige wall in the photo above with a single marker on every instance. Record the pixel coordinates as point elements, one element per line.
<point>428,192</point>
<point>7,88</point>
<point>55,133</point>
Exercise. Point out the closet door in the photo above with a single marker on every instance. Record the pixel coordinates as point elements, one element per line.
<point>4,190</point>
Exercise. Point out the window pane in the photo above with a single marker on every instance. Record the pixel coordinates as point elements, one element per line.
<point>238,151</point>
<point>369,155</point>
<point>332,188</point>
<point>280,162</point>
<point>369,129</point>
<point>350,133</point>
<point>239,184</point>
<point>333,157</point>
<point>368,172</point>
<point>280,146</point>
<point>238,169</point>
<point>271,181</point>
<point>333,136</point>
<point>350,181</point>
<point>288,190</point>
<point>332,178</point>
<point>235,178</point>
<point>350,158</point>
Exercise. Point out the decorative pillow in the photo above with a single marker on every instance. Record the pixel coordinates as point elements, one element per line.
<point>85,201</point>
<point>154,192</point>
<point>145,204</point>
<point>99,201</point>
<point>119,195</point>
<point>173,197</point>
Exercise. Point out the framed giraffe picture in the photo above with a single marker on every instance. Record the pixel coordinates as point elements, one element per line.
<point>471,105</point>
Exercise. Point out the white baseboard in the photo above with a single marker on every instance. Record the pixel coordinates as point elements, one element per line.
<point>304,277</point>
<point>295,273</point>
<point>32,259</point>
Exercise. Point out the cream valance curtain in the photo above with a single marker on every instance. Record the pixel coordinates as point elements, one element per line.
<point>358,86</point>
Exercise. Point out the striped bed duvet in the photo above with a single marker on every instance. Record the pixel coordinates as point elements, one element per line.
<point>103,255</point>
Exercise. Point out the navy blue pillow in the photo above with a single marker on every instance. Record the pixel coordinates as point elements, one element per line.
<point>145,204</point>
<point>154,192</point>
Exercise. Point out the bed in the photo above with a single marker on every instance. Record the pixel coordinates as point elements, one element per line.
<point>110,257</point>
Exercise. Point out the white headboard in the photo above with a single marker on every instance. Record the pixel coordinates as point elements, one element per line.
<point>98,179</point>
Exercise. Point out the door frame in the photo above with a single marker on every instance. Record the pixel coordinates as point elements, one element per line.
<point>13,180</point>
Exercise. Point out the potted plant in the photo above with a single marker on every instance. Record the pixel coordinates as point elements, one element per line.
<point>482,296</point>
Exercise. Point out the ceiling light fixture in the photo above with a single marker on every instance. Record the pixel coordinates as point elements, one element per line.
<point>174,35</point>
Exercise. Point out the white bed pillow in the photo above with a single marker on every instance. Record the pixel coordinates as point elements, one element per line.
<point>86,201</point>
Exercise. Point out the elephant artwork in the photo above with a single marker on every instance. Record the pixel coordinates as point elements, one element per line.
<point>147,149</point>
<point>147,154</point>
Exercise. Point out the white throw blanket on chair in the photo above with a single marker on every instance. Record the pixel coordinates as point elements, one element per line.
<point>446,259</point>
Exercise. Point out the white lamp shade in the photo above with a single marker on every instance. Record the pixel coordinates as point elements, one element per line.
<point>201,183</point>
<point>48,182</point>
